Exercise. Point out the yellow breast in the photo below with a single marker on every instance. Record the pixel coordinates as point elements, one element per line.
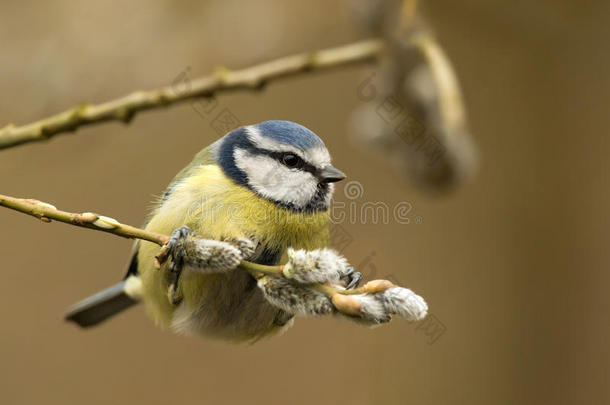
<point>215,207</point>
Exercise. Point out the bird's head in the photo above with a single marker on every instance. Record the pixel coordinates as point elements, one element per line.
<point>281,161</point>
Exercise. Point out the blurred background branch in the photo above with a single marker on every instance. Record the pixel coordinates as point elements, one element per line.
<point>418,119</point>
<point>252,78</point>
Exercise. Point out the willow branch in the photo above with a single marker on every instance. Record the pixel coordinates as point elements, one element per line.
<point>391,299</point>
<point>47,213</point>
<point>252,78</point>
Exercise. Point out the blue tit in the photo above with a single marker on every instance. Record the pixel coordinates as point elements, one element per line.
<point>258,190</point>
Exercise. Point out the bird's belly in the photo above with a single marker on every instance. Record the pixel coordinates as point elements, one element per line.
<point>228,306</point>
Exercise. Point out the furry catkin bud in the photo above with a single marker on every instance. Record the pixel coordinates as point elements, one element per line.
<point>293,298</point>
<point>404,302</point>
<point>362,307</point>
<point>208,256</point>
<point>315,266</point>
<point>372,310</point>
<point>245,246</point>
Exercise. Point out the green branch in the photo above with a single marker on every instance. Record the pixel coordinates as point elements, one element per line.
<point>252,78</point>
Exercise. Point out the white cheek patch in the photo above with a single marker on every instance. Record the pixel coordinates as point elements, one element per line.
<point>274,181</point>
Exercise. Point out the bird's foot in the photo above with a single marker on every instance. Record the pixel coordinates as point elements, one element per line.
<point>351,278</point>
<point>174,295</point>
<point>177,252</point>
<point>177,248</point>
<point>185,249</point>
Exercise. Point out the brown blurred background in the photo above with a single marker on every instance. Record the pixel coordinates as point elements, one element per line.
<point>513,265</point>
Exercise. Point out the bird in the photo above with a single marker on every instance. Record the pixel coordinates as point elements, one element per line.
<point>252,194</point>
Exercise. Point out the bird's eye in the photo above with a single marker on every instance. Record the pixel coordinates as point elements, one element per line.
<point>291,160</point>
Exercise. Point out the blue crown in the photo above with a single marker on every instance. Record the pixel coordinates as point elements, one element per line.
<point>288,132</point>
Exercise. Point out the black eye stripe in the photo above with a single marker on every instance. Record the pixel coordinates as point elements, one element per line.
<point>309,168</point>
<point>245,144</point>
<point>306,166</point>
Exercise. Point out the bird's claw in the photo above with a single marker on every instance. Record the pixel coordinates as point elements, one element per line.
<point>173,294</point>
<point>176,252</point>
<point>175,248</point>
<point>351,278</point>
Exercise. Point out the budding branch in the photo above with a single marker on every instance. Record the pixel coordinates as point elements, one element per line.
<point>47,213</point>
<point>252,78</point>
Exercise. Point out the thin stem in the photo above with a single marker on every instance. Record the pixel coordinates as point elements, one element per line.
<point>252,78</point>
<point>47,212</point>
<point>326,289</point>
<point>450,97</point>
<point>256,270</point>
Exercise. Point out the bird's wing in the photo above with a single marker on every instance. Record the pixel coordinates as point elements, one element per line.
<point>205,156</point>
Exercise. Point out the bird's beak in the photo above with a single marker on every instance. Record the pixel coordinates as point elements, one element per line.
<point>330,175</point>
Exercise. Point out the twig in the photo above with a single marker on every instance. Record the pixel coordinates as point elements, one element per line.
<point>450,99</point>
<point>47,212</point>
<point>252,78</point>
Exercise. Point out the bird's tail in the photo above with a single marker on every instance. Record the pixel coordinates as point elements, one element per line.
<point>106,303</point>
